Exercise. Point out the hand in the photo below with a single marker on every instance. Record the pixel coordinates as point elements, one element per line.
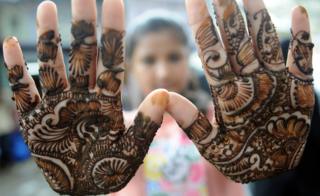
<point>262,108</point>
<point>76,131</point>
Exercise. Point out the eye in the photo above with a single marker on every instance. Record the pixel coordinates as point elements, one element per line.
<point>149,60</point>
<point>174,57</point>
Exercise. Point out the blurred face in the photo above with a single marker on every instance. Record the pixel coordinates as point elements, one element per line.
<point>160,61</point>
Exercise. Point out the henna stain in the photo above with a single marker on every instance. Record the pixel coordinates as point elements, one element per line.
<point>82,55</point>
<point>112,60</point>
<point>21,95</point>
<point>160,99</point>
<point>208,42</point>
<point>78,138</point>
<point>80,142</point>
<point>267,39</point>
<point>263,118</point>
<point>51,82</point>
<point>234,28</point>
<point>301,47</point>
<point>47,46</point>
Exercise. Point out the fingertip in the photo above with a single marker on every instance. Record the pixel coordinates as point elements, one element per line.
<point>160,98</point>
<point>84,10</point>
<point>47,14</point>
<point>182,110</point>
<point>113,14</point>
<point>10,41</point>
<point>300,20</point>
<point>197,11</point>
<point>12,51</point>
<point>155,105</point>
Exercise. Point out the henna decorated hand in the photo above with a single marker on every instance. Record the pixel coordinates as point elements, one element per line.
<point>76,131</point>
<point>262,108</point>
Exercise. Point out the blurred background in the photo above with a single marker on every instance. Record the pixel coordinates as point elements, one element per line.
<point>18,174</point>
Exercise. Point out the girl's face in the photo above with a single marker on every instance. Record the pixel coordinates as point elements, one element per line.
<point>160,61</point>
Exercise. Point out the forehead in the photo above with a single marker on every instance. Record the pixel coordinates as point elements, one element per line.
<point>161,41</point>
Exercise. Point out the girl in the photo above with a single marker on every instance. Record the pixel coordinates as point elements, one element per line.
<point>158,52</point>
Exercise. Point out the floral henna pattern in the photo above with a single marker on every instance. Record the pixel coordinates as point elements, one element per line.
<point>47,46</point>
<point>262,119</point>
<point>80,143</point>
<point>47,49</point>
<point>78,138</point>
<point>83,53</point>
<point>112,60</point>
<point>21,95</point>
<point>261,139</point>
<point>50,80</point>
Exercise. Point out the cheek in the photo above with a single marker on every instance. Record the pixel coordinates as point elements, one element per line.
<point>181,75</point>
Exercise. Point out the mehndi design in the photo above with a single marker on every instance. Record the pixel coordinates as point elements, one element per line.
<point>77,137</point>
<point>112,60</point>
<point>262,115</point>
<point>83,53</point>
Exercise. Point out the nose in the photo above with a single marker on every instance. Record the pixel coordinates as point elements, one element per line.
<point>162,71</point>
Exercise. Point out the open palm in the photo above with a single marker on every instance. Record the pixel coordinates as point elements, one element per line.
<point>76,131</point>
<point>263,109</point>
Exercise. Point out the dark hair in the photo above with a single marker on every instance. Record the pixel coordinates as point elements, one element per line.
<point>154,22</point>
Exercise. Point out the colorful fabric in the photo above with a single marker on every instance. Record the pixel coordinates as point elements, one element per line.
<point>173,166</point>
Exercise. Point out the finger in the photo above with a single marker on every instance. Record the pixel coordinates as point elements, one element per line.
<point>52,71</point>
<point>148,120</point>
<point>83,55</point>
<point>301,46</point>
<point>235,37</point>
<point>25,93</point>
<point>195,124</point>
<point>264,35</point>
<point>214,58</point>
<point>110,71</point>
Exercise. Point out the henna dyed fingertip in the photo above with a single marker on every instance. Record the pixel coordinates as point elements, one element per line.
<point>301,10</point>
<point>160,98</point>
<point>10,41</point>
<point>300,20</point>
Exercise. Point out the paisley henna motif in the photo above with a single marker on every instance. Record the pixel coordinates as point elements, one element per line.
<point>215,62</point>
<point>234,28</point>
<point>301,47</point>
<point>268,43</point>
<point>237,43</point>
<point>262,118</point>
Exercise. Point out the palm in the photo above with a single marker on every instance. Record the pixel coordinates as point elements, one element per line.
<point>79,142</point>
<point>76,132</point>
<point>262,109</point>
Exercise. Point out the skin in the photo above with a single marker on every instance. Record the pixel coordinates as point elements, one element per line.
<point>238,141</point>
<point>160,61</point>
<point>153,68</point>
<point>76,130</point>
<point>288,126</point>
